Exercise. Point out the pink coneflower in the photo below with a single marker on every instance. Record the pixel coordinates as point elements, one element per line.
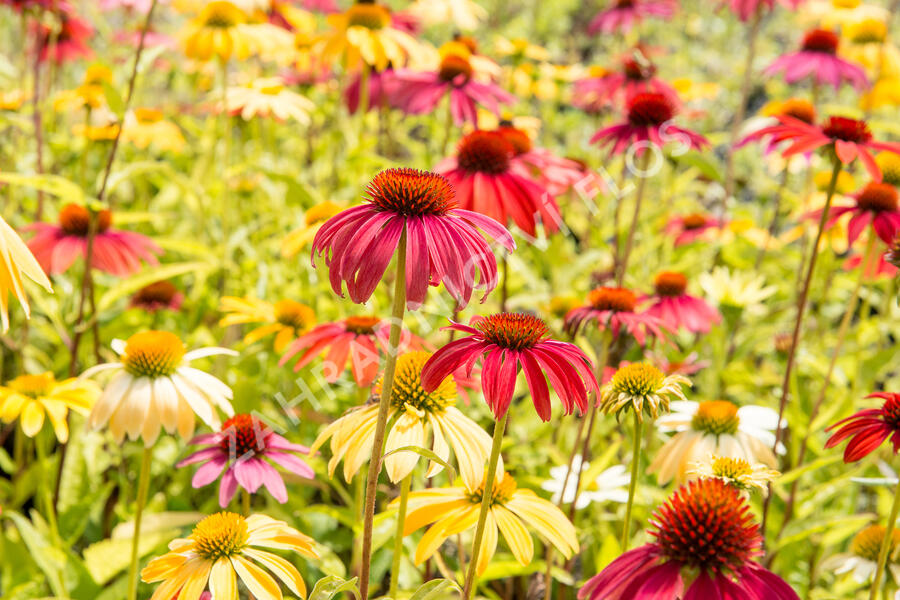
<point>692,227</point>
<point>555,173</point>
<point>139,6</point>
<point>323,6</point>
<point>156,296</point>
<point>685,366</point>
<point>876,205</point>
<point>506,342</point>
<point>637,74</point>
<point>818,58</point>
<point>868,428</point>
<point>488,182</point>
<point>845,138</point>
<point>880,267</point>
<point>238,455</point>
<point>746,9</point>
<point>705,535</point>
<point>70,42</point>
<point>622,15</point>
<point>379,96</point>
<point>616,308</point>
<point>115,251</point>
<point>362,340</point>
<point>443,241</point>
<point>418,93</point>
<point>678,309</point>
<point>648,121</point>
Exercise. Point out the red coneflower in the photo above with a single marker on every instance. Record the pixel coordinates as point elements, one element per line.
<point>648,121</point>
<point>876,205</point>
<point>157,296</point>
<point>636,74</point>
<point>504,342</point>
<point>487,181</point>
<point>361,339</point>
<point>69,42</point>
<point>746,9</point>
<point>678,309</point>
<point>443,244</point>
<point>622,15</point>
<point>868,428</point>
<point>704,534</point>
<point>692,227</point>
<point>555,173</point>
<point>615,308</point>
<point>818,58</point>
<point>114,251</point>
<point>845,138</point>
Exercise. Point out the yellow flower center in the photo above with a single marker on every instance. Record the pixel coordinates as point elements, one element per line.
<point>503,490</point>
<point>889,163</point>
<point>148,115</point>
<point>845,3</point>
<point>220,535</point>
<point>731,468</point>
<point>637,379</point>
<point>293,314</point>
<point>361,325</point>
<point>222,15</point>
<point>867,543</point>
<point>867,31</point>
<point>152,354</point>
<point>716,417</point>
<point>33,386</point>
<point>368,15</point>
<point>408,390</point>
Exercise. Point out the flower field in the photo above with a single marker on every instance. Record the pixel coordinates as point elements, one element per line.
<point>439,299</point>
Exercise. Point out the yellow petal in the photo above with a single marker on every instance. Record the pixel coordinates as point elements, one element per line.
<point>260,583</point>
<point>283,569</point>
<point>515,534</point>
<point>32,418</point>
<point>223,581</point>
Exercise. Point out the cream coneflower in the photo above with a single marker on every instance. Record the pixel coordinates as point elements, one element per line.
<point>643,388</point>
<point>736,472</point>
<point>713,427</point>
<point>313,219</point>
<point>146,127</point>
<point>287,319</point>
<point>414,414</point>
<point>862,557</point>
<point>16,260</point>
<point>154,388</point>
<point>30,398</point>
<point>223,548</point>
<point>266,97</point>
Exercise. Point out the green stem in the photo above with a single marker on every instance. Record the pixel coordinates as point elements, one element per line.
<point>398,536</point>
<point>384,404</point>
<point>143,485</point>
<point>486,497</point>
<point>885,544</point>
<point>363,106</point>
<point>45,490</point>
<point>632,485</point>
<point>635,218</point>
<point>245,502</point>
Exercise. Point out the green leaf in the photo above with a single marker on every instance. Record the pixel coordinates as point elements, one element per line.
<point>146,277</point>
<point>106,559</point>
<point>114,99</point>
<point>425,452</point>
<point>702,163</point>
<point>49,559</point>
<point>433,589</point>
<point>54,185</point>
<point>329,587</point>
<point>821,463</point>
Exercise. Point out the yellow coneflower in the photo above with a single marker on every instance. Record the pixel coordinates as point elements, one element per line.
<point>224,548</point>
<point>313,219</point>
<point>513,511</point>
<point>223,30</point>
<point>286,319</point>
<point>30,398</point>
<point>641,387</point>
<point>737,472</point>
<point>363,34</point>
<point>414,413</point>
<point>267,97</point>
<point>145,127</point>
<point>889,163</point>
<point>16,260</point>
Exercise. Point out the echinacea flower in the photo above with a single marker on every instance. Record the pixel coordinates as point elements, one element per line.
<point>417,93</point>
<point>843,138</point>
<point>286,319</point>
<point>868,428</point>
<point>16,260</point>
<point>889,164</point>
<point>512,512</point>
<point>648,122</point>
<point>737,472</point>
<point>737,290</point>
<point>154,386</point>
<point>506,342</point>
<point>635,75</point>
<point>488,182</point>
<point>555,173</point>
<point>30,398</point>
<point>146,128</point>
<point>673,305</point>
<point>615,308</point>
<point>876,205</point>
<point>415,416</point>
<point>692,227</point>
<point>115,251</point>
<point>379,83</point>
<point>642,388</point>
<point>222,30</point>
<point>362,340</point>
<point>705,542</point>
<point>713,427</point>
<point>224,548</point>
<point>747,9</point>
<point>313,219</point>
<point>818,58</point>
<point>464,14</point>
<point>266,97</point>
<point>862,557</point>
<point>622,15</point>
<point>69,42</point>
<point>239,454</point>
<point>607,486</point>
<point>157,296</point>
<point>443,243</point>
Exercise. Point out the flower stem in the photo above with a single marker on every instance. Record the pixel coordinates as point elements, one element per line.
<point>639,195</point>
<point>398,536</point>
<point>486,497</point>
<point>384,404</point>
<point>245,502</point>
<point>363,106</point>
<point>632,485</point>
<point>143,485</point>
<point>885,544</point>
<point>44,489</point>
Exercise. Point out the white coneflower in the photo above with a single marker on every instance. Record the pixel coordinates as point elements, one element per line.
<point>642,387</point>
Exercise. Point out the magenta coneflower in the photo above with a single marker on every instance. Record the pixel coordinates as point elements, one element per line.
<point>418,93</point>
<point>692,227</point>
<point>704,549</point>
<point>443,242</point>
<point>818,58</point>
<point>648,121</point>
<point>379,84</point>
<point>555,173</point>
<point>69,42</point>
<point>746,9</point>
<point>868,428</point>
<point>622,15</point>
<point>879,267</point>
<point>845,138</point>
<point>114,251</point>
<point>506,342</point>
<point>616,308</point>
<point>637,74</point>
<point>156,296</point>
<point>362,340</point>
<point>876,205</point>
<point>237,454</point>
<point>487,181</point>
<point>678,309</point>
